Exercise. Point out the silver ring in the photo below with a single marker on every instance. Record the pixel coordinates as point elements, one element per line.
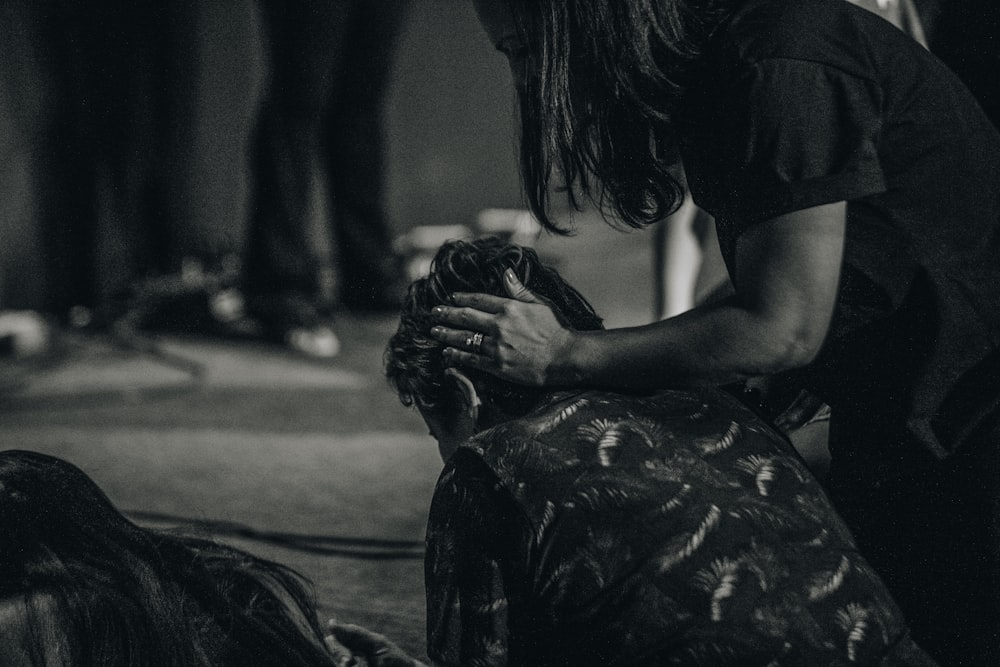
<point>477,342</point>
<point>468,341</point>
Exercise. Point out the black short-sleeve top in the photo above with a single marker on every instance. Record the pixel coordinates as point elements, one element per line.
<point>798,104</point>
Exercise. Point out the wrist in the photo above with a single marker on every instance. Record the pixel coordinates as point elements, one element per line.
<point>569,367</point>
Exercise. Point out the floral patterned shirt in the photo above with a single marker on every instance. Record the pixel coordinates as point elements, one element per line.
<point>673,528</point>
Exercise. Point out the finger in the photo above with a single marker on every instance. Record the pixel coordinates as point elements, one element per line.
<point>357,638</point>
<point>488,347</point>
<point>516,289</point>
<point>456,357</point>
<point>488,303</point>
<point>465,340</point>
<point>341,655</point>
<point>374,647</point>
<point>464,318</point>
<point>452,337</point>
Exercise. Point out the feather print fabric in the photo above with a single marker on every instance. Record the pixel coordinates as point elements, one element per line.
<point>672,529</point>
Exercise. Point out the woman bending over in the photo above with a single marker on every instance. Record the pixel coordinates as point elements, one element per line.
<point>855,185</point>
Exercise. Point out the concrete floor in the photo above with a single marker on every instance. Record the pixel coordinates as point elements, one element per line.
<point>279,443</point>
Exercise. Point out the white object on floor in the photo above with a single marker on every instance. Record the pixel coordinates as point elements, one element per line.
<point>27,330</point>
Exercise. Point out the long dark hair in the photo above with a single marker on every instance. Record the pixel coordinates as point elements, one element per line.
<point>80,581</point>
<point>603,83</point>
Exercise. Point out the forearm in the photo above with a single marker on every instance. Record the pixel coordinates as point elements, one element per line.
<point>787,272</point>
<point>710,345</point>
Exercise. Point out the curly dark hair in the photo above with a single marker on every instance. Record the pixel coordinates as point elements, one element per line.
<point>414,364</point>
<point>603,82</point>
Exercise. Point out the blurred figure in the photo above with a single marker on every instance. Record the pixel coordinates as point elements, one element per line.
<point>330,65</point>
<point>113,85</point>
<point>82,585</point>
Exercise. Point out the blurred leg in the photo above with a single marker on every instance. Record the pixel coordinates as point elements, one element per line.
<point>63,169</point>
<point>101,156</point>
<point>369,269</point>
<point>172,34</point>
<point>282,266</point>
<point>24,108</point>
<point>305,40</point>
<point>677,258</point>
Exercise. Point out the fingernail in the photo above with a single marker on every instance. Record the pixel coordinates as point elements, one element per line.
<point>436,331</point>
<point>509,275</point>
<point>437,310</point>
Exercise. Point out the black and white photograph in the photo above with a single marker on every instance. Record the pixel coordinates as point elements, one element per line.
<point>466,333</point>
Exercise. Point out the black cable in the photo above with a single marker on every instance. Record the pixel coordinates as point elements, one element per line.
<point>130,338</point>
<point>362,548</point>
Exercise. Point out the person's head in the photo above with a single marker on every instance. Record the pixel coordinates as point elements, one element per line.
<point>455,403</point>
<point>82,585</point>
<point>599,82</point>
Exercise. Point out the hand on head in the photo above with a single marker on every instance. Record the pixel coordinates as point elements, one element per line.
<point>522,340</point>
<point>524,310</point>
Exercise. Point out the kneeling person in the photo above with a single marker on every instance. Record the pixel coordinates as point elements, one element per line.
<point>593,527</point>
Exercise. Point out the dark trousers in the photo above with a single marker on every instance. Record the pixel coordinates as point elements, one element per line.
<point>933,533</point>
<point>330,64</point>
<point>115,81</point>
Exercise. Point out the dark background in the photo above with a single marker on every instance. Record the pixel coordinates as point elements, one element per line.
<point>448,130</point>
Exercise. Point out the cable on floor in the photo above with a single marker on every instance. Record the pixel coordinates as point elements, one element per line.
<point>362,548</point>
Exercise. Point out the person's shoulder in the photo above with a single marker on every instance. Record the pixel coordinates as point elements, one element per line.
<point>559,438</point>
<point>834,32</point>
<point>595,429</point>
<point>542,434</point>
<point>778,22</point>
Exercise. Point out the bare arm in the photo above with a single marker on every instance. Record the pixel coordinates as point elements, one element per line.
<point>786,278</point>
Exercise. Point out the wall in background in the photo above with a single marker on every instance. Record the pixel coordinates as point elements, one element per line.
<point>450,119</point>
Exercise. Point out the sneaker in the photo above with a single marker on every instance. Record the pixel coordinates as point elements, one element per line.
<point>318,341</point>
<point>291,319</point>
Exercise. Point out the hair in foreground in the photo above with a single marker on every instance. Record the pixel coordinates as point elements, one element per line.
<point>82,585</point>
<point>598,103</point>
<point>413,359</point>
